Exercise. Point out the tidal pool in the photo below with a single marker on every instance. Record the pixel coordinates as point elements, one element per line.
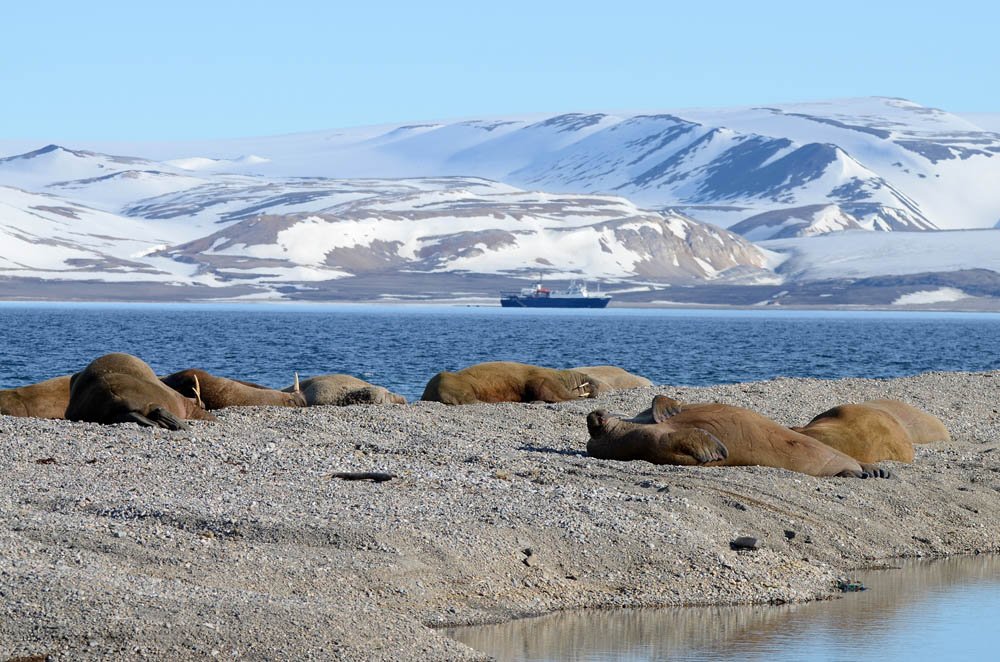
<point>947,609</point>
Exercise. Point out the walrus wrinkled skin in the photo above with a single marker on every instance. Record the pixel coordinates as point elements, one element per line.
<point>46,399</point>
<point>715,435</point>
<point>507,381</point>
<point>121,388</point>
<point>220,392</point>
<point>615,377</point>
<point>876,430</point>
<point>341,390</point>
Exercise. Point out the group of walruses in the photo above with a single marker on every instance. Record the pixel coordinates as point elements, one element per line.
<point>843,441</point>
<point>121,388</point>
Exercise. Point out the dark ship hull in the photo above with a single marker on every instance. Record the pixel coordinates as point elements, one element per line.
<point>518,301</point>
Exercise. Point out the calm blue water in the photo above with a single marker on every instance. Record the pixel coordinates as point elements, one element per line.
<point>401,347</point>
<point>934,611</point>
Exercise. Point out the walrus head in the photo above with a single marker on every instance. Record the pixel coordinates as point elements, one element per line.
<point>597,421</point>
<point>590,387</point>
<point>612,438</point>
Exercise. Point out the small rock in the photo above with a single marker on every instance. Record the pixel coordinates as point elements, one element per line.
<point>850,586</point>
<point>745,542</point>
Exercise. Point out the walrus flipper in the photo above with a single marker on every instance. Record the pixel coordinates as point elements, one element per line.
<point>874,471</point>
<point>701,445</point>
<point>165,419</point>
<point>664,407</point>
<point>867,471</point>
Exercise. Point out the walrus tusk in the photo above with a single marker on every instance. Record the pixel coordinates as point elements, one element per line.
<point>197,392</point>
<point>581,387</point>
<point>296,389</point>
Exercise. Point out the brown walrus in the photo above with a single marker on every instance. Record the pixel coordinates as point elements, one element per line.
<point>507,381</point>
<point>876,430</point>
<point>341,390</point>
<point>613,376</point>
<point>121,388</point>
<point>220,392</point>
<point>46,399</point>
<point>715,435</point>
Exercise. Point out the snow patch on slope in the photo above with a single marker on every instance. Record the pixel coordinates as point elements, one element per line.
<point>205,164</point>
<point>940,295</point>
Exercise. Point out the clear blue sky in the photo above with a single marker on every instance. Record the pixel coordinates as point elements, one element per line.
<point>180,69</point>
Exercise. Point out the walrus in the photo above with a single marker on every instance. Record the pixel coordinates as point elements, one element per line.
<point>876,430</point>
<point>713,434</point>
<point>507,381</point>
<point>614,377</point>
<point>341,390</point>
<point>121,388</point>
<point>219,392</point>
<point>46,399</point>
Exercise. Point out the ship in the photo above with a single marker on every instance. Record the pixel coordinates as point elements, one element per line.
<point>574,296</point>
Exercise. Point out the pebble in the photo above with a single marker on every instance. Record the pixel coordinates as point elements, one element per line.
<point>745,542</point>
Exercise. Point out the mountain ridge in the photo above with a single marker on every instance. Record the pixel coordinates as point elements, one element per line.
<point>883,151</point>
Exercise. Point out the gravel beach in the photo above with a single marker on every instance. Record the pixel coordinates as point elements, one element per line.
<point>234,540</point>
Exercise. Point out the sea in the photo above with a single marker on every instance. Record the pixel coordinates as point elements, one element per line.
<point>401,347</point>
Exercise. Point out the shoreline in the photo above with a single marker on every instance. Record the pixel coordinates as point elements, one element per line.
<point>294,305</point>
<point>232,537</point>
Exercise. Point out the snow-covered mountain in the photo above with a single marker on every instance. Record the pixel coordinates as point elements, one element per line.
<point>619,196</point>
<point>889,163</point>
<point>471,226</point>
<point>46,166</point>
<point>270,233</point>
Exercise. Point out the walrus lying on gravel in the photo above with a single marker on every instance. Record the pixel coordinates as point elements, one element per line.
<point>220,392</point>
<point>876,430</point>
<point>121,388</point>
<point>507,381</point>
<point>715,435</point>
<point>46,399</point>
<point>341,390</point>
<point>613,376</point>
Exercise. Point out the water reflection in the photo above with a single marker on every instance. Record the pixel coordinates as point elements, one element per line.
<point>937,610</point>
